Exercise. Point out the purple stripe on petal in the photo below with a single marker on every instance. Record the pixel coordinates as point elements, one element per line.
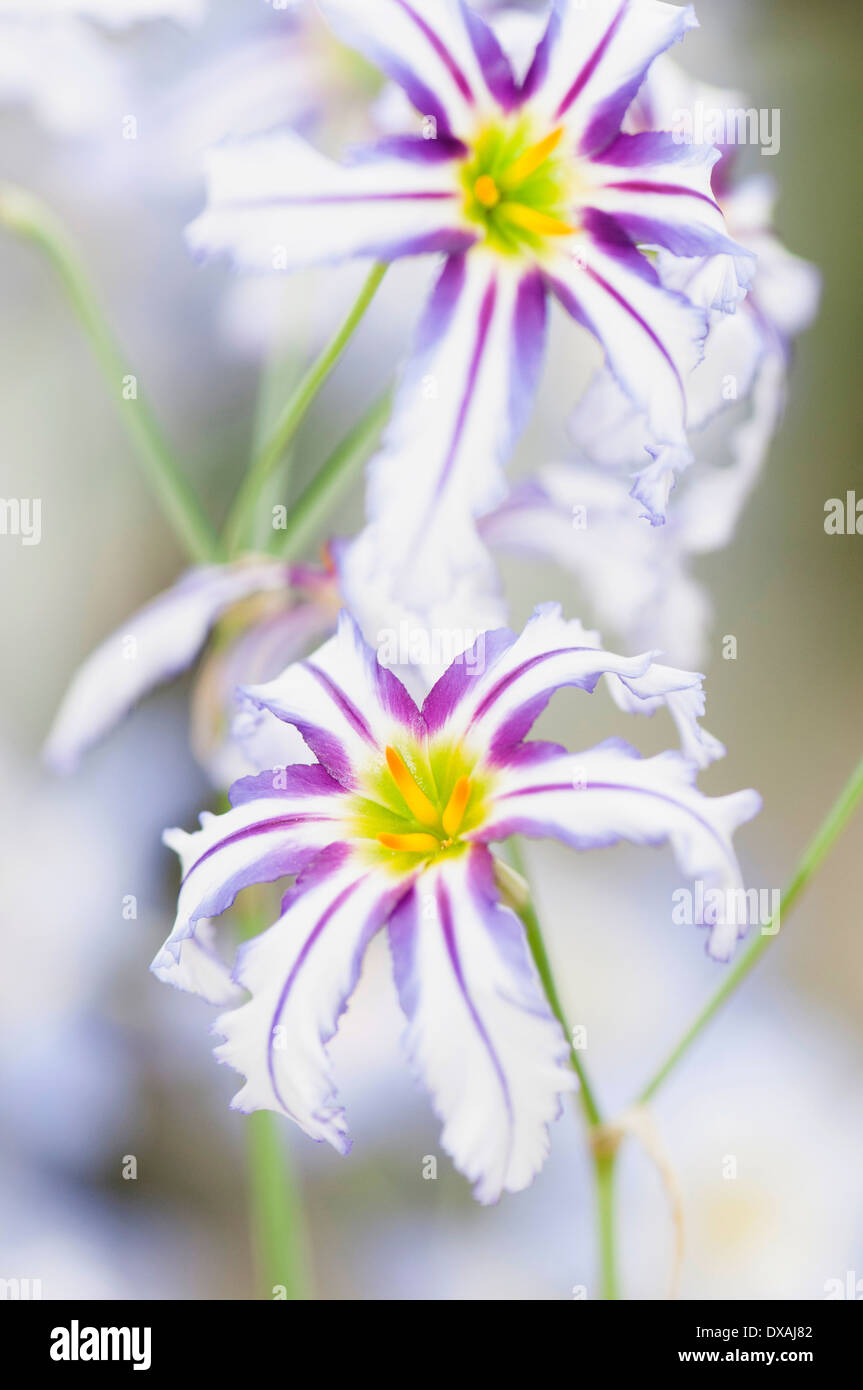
<point>454,684</point>
<point>446,918</point>
<point>642,323</point>
<point>345,705</point>
<point>538,70</point>
<point>670,189</point>
<point>442,304</point>
<point>689,240</point>
<point>484,321</point>
<point>651,147</point>
<point>302,780</point>
<point>592,63</point>
<point>516,674</point>
<point>313,937</point>
<point>423,195</point>
<point>251,832</point>
<point>414,148</point>
<point>493,62</point>
<point>440,49</point>
<point>517,825</point>
<point>529,335</point>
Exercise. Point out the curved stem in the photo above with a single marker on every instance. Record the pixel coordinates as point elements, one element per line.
<point>269,457</point>
<point>279,1237</point>
<point>275,1202</point>
<point>315,502</point>
<point>27,217</point>
<point>605,1173</point>
<point>603,1156</point>
<point>829,832</point>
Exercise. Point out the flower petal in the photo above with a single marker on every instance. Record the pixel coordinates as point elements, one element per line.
<point>462,404</point>
<point>301,973</point>
<point>278,822</point>
<point>154,646</point>
<point>440,52</point>
<point>682,694</point>
<point>200,969</point>
<point>230,736</point>
<point>659,192</point>
<point>275,203</point>
<point>635,580</point>
<point>495,702</point>
<point>594,799</point>
<point>481,1033</point>
<point>593,59</point>
<point>652,337</point>
<point>347,707</point>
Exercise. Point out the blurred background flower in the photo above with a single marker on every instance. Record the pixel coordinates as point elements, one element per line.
<point>99,1062</point>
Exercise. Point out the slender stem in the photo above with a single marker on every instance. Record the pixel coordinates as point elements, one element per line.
<point>279,1237</point>
<point>275,1201</point>
<point>605,1172</point>
<point>26,216</point>
<point>603,1154</point>
<point>541,959</point>
<point>295,411</point>
<point>832,827</point>
<point>315,502</point>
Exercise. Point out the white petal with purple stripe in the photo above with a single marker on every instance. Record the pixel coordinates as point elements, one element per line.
<point>155,645</point>
<point>347,707</point>
<point>494,704</point>
<point>481,1033</point>
<point>460,408</point>
<point>277,823</point>
<point>597,798</point>
<point>301,973</point>
<point>653,339</point>
<point>275,203</point>
<point>593,59</point>
<point>440,52</point>
<point>659,192</point>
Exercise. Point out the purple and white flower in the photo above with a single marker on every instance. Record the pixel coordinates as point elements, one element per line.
<point>750,339</point>
<point>528,187</point>
<point>256,614</point>
<point>392,826</point>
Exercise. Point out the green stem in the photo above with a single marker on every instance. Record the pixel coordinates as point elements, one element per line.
<point>603,1155</point>
<point>832,827</point>
<point>605,1173</point>
<point>269,457</point>
<point>275,1201</point>
<point>279,1238</point>
<point>27,217</point>
<point>316,501</point>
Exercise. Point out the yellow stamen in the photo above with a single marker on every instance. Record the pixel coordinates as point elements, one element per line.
<point>456,806</point>
<point>418,803</point>
<point>486,191</point>
<point>527,163</point>
<point>410,844</point>
<point>532,221</point>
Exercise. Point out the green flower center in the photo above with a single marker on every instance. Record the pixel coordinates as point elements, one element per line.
<point>518,189</point>
<point>420,804</point>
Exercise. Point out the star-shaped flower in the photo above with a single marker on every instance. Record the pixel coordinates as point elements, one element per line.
<point>392,827</point>
<point>530,189</point>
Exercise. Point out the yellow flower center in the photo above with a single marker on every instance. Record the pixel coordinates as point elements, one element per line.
<point>421,802</point>
<point>518,188</point>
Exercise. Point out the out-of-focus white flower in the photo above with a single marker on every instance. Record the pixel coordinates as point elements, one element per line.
<point>54,56</point>
<point>531,190</point>
<point>755,339</point>
<point>265,614</point>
